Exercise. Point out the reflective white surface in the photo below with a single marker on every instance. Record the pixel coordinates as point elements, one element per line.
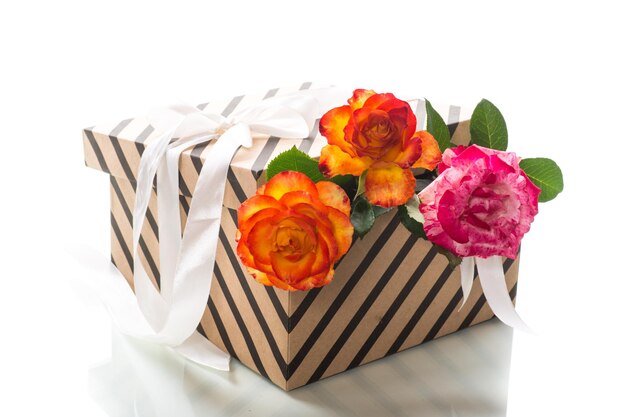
<point>463,374</point>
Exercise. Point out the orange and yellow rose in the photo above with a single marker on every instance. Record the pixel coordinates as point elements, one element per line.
<point>293,231</point>
<point>376,132</point>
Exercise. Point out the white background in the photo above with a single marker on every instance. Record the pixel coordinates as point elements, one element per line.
<point>554,69</point>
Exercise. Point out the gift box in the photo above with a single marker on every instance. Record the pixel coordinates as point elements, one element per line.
<point>391,291</point>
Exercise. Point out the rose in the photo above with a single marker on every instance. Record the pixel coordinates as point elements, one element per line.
<point>376,132</point>
<point>293,231</point>
<point>481,204</point>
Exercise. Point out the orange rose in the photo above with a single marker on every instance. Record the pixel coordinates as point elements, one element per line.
<point>293,231</point>
<point>376,132</point>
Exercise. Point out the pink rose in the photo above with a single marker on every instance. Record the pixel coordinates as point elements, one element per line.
<point>481,204</point>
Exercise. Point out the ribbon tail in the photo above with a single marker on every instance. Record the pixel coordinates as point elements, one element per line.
<point>491,275</point>
<point>181,121</point>
<point>198,349</point>
<point>467,277</point>
<point>150,301</point>
<point>170,234</point>
<point>168,220</point>
<point>199,244</point>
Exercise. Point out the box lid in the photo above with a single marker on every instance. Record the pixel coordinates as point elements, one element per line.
<point>116,148</point>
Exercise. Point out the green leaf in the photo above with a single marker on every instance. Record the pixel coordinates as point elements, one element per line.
<point>545,174</point>
<point>295,160</point>
<point>362,216</point>
<point>487,127</point>
<point>436,126</point>
<point>341,180</point>
<point>411,217</point>
<point>348,183</point>
<point>453,260</point>
<point>379,211</point>
<point>420,184</point>
<point>361,187</point>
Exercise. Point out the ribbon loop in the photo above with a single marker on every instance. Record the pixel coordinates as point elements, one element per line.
<point>170,315</point>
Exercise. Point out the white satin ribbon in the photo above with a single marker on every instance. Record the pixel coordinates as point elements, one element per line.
<point>467,277</point>
<point>493,283</point>
<point>171,315</point>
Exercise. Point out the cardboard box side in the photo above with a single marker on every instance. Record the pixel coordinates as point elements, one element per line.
<point>244,318</point>
<point>122,201</point>
<point>380,318</point>
<point>391,291</point>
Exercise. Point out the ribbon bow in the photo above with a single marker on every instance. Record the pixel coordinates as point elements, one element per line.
<point>170,316</point>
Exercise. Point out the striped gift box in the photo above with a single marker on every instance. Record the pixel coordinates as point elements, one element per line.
<point>391,291</point>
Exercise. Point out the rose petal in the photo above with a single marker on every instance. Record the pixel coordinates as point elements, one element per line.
<point>392,153</point>
<point>311,213</point>
<point>383,101</point>
<point>447,157</point>
<point>410,154</point>
<point>388,185</point>
<point>399,110</point>
<point>342,230</point>
<point>322,258</point>
<point>287,181</point>
<point>533,192</point>
<point>354,134</point>
<point>267,268</point>
<point>431,154</point>
<point>450,218</point>
<point>292,271</point>
<point>244,253</point>
<point>260,241</point>
<point>497,164</point>
<point>244,230</point>
<point>471,154</point>
<point>262,237</point>
<point>277,282</point>
<point>259,276</point>
<point>253,205</point>
<point>332,125</point>
<point>332,195</point>
<point>359,97</point>
<point>364,134</point>
<point>322,224</point>
<point>334,161</point>
<point>293,198</point>
<point>315,281</point>
<point>404,119</point>
<point>247,225</point>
